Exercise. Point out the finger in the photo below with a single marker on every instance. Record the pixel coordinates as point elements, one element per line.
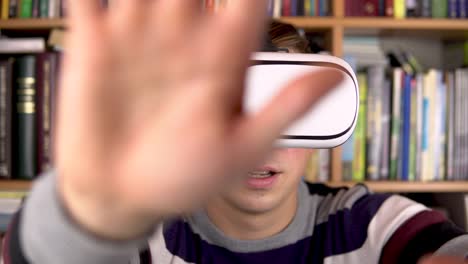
<point>259,131</point>
<point>243,24</point>
<point>179,14</point>
<point>84,12</point>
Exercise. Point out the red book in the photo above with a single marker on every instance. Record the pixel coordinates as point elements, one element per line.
<point>369,8</point>
<point>286,10</point>
<point>389,8</point>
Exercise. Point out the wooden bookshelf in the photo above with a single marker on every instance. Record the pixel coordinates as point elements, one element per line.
<point>409,187</point>
<point>15,185</point>
<point>334,29</point>
<point>31,24</point>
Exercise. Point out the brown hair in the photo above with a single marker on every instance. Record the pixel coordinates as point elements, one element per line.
<point>285,36</point>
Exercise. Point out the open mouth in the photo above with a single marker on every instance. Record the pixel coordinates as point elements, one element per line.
<point>262,174</point>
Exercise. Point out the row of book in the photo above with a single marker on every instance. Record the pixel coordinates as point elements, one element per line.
<point>27,103</point>
<point>408,8</point>
<point>279,8</point>
<point>32,8</point>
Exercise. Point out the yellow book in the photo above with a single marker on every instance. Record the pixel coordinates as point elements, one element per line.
<point>307,8</point>
<point>399,7</point>
<point>5,7</point>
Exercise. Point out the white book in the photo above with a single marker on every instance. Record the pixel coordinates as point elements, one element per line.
<point>22,45</point>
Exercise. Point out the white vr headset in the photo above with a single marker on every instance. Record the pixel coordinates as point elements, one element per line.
<point>330,122</point>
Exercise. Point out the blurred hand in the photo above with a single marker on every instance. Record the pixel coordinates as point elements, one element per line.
<point>150,122</point>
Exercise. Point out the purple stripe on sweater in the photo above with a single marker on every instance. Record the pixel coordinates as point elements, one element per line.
<point>344,232</point>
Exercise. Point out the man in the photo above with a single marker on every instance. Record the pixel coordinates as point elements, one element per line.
<point>152,146</point>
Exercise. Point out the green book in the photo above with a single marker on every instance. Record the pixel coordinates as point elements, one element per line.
<point>465,60</point>
<point>44,8</point>
<point>25,98</point>
<point>26,8</point>
<point>439,8</point>
<point>359,163</point>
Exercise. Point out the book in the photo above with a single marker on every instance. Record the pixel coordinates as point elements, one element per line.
<point>26,9</point>
<point>22,45</point>
<point>44,76</point>
<point>5,119</point>
<point>426,8</point>
<point>396,122</point>
<point>44,8</point>
<point>375,86</point>
<point>13,9</point>
<point>5,9</point>
<point>399,9</point>
<point>35,9</point>
<point>359,162</point>
<point>389,8</point>
<point>24,140</point>
<point>411,8</point>
<point>453,8</point>
<point>286,8</point>
<point>439,8</point>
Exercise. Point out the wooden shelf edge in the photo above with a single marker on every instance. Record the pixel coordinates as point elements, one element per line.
<point>33,23</point>
<point>378,23</point>
<point>402,187</point>
<point>15,185</point>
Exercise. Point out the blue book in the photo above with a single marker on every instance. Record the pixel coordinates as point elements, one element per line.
<point>452,8</point>
<point>271,4</point>
<point>312,8</point>
<point>406,128</point>
<point>463,8</point>
<point>294,7</point>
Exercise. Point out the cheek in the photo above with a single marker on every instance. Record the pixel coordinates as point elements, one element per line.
<point>294,158</point>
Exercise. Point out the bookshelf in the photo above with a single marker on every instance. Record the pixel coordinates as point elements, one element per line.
<point>334,28</point>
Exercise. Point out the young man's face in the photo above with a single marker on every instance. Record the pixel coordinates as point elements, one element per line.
<point>272,184</point>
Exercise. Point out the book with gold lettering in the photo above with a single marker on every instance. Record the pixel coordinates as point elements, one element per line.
<point>24,86</point>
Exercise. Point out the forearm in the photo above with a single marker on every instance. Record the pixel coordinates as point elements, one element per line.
<point>44,233</point>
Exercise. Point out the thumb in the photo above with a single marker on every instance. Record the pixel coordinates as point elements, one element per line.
<point>259,131</point>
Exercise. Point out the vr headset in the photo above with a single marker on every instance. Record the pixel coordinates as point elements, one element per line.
<point>330,122</point>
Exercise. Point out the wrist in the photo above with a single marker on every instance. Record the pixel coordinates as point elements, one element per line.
<point>104,218</point>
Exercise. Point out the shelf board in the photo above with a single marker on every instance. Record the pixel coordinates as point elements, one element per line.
<point>406,187</point>
<point>442,28</point>
<point>28,24</point>
<point>15,185</point>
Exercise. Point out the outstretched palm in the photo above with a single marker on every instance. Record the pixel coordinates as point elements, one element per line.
<point>149,121</point>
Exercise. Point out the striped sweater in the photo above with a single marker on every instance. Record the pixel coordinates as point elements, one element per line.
<point>331,225</point>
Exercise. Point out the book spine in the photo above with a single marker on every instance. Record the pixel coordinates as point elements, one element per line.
<point>439,9</point>
<point>35,9</point>
<point>389,8</point>
<point>463,9</point>
<point>411,8</point>
<point>396,123</point>
<point>452,8</point>
<point>406,128</point>
<point>426,10</point>
<point>370,8</point>
<point>44,8</point>
<point>25,115</point>
<point>5,120</point>
<point>307,8</point>
<point>13,9</point>
<point>450,124</point>
<point>300,7</point>
<point>293,7</point>
<point>419,124</point>
<point>399,9</point>
<point>385,145</point>
<point>26,8</point>
<point>5,8</point>
<point>286,10</point>
<point>413,131</point>
<point>277,9</point>
<point>382,8</point>
<point>359,162</point>
<point>313,11</point>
